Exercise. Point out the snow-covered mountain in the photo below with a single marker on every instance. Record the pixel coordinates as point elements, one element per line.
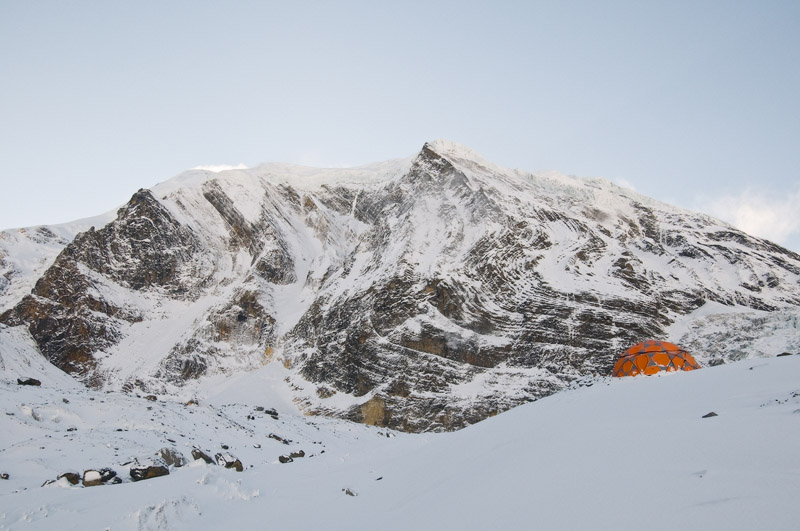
<point>419,294</point>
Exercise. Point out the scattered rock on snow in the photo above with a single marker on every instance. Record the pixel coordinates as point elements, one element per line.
<point>73,477</point>
<point>199,454</point>
<point>285,459</point>
<point>229,461</point>
<point>349,492</point>
<point>295,455</point>
<point>709,415</point>
<point>171,457</point>
<point>151,398</point>
<point>4,475</point>
<point>92,478</point>
<point>279,438</point>
<point>29,381</point>
<point>784,354</point>
<point>141,472</point>
<point>107,475</point>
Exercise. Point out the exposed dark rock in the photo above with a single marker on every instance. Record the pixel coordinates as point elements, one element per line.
<point>279,438</point>
<point>199,454</point>
<point>141,472</point>
<point>151,398</point>
<point>92,478</point>
<point>299,453</point>
<point>784,354</point>
<point>107,474</point>
<point>172,457</point>
<point>285,459</point>
<point>72,477</point>
<point>709,415</point>
<point>28,381</point>
<point>229,461</point>
<point>4,475</point>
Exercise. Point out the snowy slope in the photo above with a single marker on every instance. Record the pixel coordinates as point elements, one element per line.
<point>606,454</point>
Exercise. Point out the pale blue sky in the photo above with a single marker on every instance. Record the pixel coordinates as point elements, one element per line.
<point>694,103</point>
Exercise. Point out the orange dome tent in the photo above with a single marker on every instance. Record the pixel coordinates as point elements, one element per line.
<point>650,357</point>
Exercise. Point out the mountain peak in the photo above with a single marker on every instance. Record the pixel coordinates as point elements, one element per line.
<point>455,152</point>
<point>422,294</point>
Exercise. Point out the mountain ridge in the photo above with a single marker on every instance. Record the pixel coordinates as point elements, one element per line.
<point>420,294</point>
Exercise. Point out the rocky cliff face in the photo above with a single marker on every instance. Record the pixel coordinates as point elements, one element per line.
<point>422,294</point>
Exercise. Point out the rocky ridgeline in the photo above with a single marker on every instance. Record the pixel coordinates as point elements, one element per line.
<point>433,294</point>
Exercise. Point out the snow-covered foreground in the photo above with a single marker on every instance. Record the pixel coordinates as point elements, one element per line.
<point>617,454</point>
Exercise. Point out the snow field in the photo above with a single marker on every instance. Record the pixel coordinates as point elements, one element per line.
<point>614,454</point>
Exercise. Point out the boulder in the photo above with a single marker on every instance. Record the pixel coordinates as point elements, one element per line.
<point>229,461</point>
<point>140,472</point>
<point>285,459</point>
<point>72,477</point>
<point>107,475</point>
<point>709,415</point>
<point>199,454</point>
<point>171,457</point>
<point>92,478</point>
<point>295,455</point>
<point>28,381</point>
<point>4,475</point>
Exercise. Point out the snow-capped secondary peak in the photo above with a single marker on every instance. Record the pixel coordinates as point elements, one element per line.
<point>464,158</point>
<point>448,148</point>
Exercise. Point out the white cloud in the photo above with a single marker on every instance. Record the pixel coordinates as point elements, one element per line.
<point>220,167</point>
<point>760,214</point>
